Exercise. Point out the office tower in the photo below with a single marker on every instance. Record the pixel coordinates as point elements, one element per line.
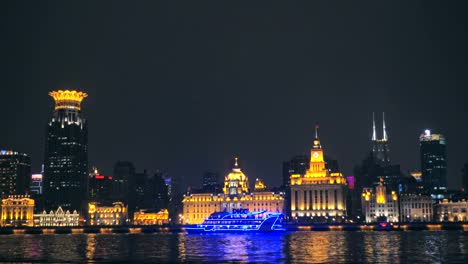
<point>433,162</point>
<point>318,192</point>
<point>15,173</point>
<point>210,182</point>
<point>124,181</point>
<point>66,154</point>
<point>100,187</point>
<point>380,148</point>
<point>36,184</point>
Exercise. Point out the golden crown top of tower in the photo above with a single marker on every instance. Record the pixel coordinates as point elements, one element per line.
<point>68,99</point>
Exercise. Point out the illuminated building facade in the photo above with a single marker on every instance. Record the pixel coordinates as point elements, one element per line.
<point>151,218</point>
<point>66,153</point>
<point>433,162</point>
<point>416,208</point>
<point>236,195</point>
<point>15,172</point>
<point>17,210</point>
<point>318,192</point>
<point>380,148</point>
<point>378,205</point>
<point>36,184</point>
<point>114,214</point>
<point>451,211</point>
<point>57,218</point>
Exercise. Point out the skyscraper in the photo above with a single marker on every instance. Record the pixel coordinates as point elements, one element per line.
<point>15,173</point>
<point>380,147</point>
<point>433,161</point>
<point>66,153</point>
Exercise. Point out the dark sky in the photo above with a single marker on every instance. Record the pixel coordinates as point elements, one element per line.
<point>186,86</point>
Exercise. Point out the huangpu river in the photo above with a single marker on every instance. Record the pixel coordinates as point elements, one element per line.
<point>290,247</point>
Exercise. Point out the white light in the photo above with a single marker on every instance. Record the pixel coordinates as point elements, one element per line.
<point>427,133</point>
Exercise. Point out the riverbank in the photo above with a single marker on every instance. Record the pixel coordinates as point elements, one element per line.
<point>180,229</point>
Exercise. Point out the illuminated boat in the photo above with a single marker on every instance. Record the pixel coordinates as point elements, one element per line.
<point>240,220</point>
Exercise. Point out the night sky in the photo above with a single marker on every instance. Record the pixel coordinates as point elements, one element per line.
<point>185,87</point>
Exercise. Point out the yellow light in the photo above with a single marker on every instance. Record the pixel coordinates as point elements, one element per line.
<point>68,99</point>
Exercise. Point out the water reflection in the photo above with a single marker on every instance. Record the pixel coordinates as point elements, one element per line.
<point>296,247</point>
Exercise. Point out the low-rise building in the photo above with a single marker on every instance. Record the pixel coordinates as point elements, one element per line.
<point>17,210</point>
<point>378,205</point>
<point>236,195</point>
<point>112,214</point>
<point>451,211</point>
<point>416,208</point>
<point>57,218</point>
<point>151,218</point>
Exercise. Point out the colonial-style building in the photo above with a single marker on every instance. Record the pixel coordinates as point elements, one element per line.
<point>318,192</point>
<point>449,211</point>
<point>416,208</point>
<point>236,195</point>
<point>115,214</point>
<point>17,210</point>
<point>151,218</point>
<point>378,205</point>
<point>57,218</point>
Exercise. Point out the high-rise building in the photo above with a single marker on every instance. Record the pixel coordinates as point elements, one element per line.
<point>380,148</point>
<point>15,173</point>
<point>210,182</point>
<point>433,162</point>
<point>36,184</point>
<point>100,187</point>
<point>124,181</point>
<point>318,192</point>
<point>66,153</point>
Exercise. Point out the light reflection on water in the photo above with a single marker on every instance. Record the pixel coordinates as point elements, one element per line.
<point>296,247</point>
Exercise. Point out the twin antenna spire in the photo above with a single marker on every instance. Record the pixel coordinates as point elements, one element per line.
<point>374,133</point>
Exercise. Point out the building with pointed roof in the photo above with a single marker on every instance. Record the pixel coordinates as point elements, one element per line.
<point>318,192</point>
<point>57,218</point>
<point>380,148</point>
<point>236,195</point>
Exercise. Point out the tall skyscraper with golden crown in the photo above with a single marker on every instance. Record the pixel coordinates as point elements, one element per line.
<point>66,153</point>
<point>318,192</point>
<point>236,195</point>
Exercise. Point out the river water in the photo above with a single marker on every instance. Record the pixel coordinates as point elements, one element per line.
<point>291,247</point>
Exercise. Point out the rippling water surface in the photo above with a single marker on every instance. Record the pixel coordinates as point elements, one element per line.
<point>295,247</point>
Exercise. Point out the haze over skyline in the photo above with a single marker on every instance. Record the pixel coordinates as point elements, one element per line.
<point>185,90</point>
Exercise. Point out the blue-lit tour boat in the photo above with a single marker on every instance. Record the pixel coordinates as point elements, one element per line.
<point>240,220</point>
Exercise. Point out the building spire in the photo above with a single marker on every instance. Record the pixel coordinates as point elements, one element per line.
<point>374,133</point>
<point>316,132</point>
<point>235,162</point>
<point>385,137</point>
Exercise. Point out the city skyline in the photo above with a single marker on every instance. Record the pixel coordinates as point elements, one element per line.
<point>191,103</point>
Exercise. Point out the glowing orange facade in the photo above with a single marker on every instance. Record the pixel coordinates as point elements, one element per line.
<point>115,214</point>
<point>17,210</point>
<point>151,218</point>
<point>318,192</point>
<point>68,99</point>
<point>198,206</point>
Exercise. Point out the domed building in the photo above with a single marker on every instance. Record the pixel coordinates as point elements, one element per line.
<point>236,195</point>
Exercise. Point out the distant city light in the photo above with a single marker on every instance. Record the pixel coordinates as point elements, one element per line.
<point>427,133</point>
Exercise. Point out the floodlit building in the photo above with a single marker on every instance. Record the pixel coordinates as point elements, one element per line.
<point>236,195</point>
<point>416,208</point>
<point>66,153</point>
<point>17,210</point>
<point>318,192</point>
<point>112,214</point>
<point>380,148</point>
<point>450,211</point>
<point>378,205</point>
<point>57,218</point>
<point>15,172</point>
<point>151,218</point>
